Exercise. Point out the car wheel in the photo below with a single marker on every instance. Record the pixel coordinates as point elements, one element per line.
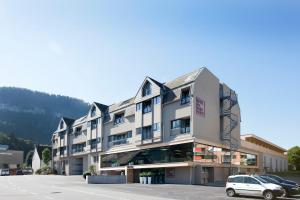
<point>268,195</point>
<point>230,193</point>
<point>285,193</point>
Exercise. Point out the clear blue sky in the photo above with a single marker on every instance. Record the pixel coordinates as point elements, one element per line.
<point>102,50</point>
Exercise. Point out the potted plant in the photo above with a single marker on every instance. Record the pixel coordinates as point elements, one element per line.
<point>149,177</point>
<point>142,178</point>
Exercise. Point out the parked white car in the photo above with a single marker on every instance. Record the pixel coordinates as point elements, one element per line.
<point>252,186</point>
<point>4,172</point>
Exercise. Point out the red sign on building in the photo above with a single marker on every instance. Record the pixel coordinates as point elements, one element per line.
<point>200,107</point>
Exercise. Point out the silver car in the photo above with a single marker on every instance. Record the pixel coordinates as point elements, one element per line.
<point>4,172</point>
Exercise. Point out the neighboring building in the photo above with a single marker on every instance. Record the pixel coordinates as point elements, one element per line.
<point>272,157</point>
<point>37,161</point>
<point>185,130</point>
<point>9,158</point>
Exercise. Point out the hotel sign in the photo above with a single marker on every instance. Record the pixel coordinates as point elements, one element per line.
<point>200,107</point>
<point>198,153</point>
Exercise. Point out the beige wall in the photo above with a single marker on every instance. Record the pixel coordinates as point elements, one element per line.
<point>207,127</point>
<point>172,111</point>
<point>182,176</point>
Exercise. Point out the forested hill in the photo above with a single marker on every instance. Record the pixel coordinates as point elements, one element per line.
<point>35,115</point>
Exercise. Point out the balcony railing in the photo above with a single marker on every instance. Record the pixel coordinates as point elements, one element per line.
<point>185,100</point>
<point>118,142</point>
<point>185,130</point>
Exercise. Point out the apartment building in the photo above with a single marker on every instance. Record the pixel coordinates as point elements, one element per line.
<point>184,131</point>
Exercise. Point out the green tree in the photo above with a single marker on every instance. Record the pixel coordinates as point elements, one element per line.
<point>46,157</point>
<point>294,158</point>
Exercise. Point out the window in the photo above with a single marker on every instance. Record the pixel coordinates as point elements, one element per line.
<point>62,134</point>
<point>93,111</point>
<point>93,143</point>
<point>146,89</point>
<point>156,100</point>
<point>119,139</point>
<point>156,127</point>
<point>94,124</point>
<point>62,150</point>
<point>119,118</point>
<point>138,106</point>
<point>78,131</point>
<point>239,179</point>
<point>175,124</point>
<point>250,180</point>
<point>106,117</point>
<point>185,96</point>
<point>61,125</point>
<point>78,147</point>
<point>54,152</point>
<point>129,134</point>
<point>147,105</point>
<point>164,154</point>
<point>95,159</point>
<point>185,126</point>
<point>147,133</point>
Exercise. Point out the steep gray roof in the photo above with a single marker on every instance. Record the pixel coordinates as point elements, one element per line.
<point>182,80</point>
<point>101,107</point>
<point>171,93</point>
<point>68,121</point>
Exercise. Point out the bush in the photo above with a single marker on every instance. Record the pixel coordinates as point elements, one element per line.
<point>92,169</point>
<point>44,170</point>
<point>143,174</point>
<point>87,173</point>
<point>39,171</point>
<point>149,174</point>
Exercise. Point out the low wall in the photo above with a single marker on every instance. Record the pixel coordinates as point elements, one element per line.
<point>114,179</point>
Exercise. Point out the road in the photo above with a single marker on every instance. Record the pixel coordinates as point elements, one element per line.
<point>74,188</point>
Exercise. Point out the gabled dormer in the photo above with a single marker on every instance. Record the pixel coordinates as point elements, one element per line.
<point>64,123</point>
<point>96,110</point>
<point>149,89</point>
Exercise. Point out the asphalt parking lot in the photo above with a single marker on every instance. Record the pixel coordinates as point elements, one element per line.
<point>74,188</point>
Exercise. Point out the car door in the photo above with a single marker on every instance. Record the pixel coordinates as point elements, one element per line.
<point>253,186</point>
<point>239,185</point>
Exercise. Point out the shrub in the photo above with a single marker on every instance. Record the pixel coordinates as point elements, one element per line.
<point>39,171</point>
<point>87,173</point>
<point>92,169</point>
<point>143,174</point>
<point>44,170</point>
<point>149,174</point>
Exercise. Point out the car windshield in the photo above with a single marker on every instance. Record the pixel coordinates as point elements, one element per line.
<point>270,180</point>
<point>261,179</point>
<point>277,178</point>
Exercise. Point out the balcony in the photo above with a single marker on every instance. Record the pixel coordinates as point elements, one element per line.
<point>184,130</point>
<point>118,142</point>
<point>185,100</point>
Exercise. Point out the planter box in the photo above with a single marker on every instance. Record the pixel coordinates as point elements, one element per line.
<point>117,179</point>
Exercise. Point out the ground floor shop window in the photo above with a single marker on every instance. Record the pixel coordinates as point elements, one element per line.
<point>167,154</point>
<point>211,154</point>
